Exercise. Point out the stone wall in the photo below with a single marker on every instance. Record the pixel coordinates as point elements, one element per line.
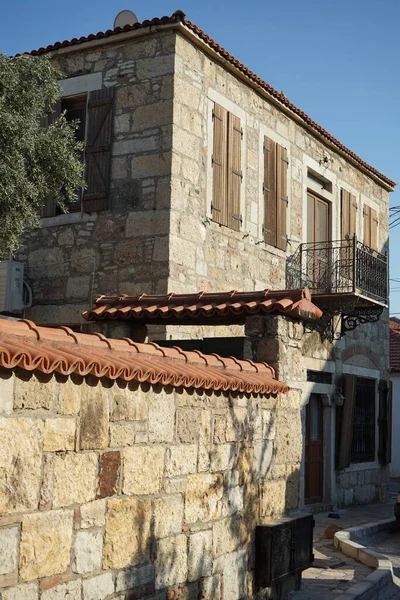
<point>73,258</point>
<point>291,350</point>
<point>131,491</point>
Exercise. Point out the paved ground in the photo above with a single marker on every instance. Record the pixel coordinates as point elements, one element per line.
<point>333,572</point>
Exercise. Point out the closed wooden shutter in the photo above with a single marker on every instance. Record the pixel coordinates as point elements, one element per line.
<point>374,229</point>
<point>345,429</point>
<point>282,196</point>
<point>348,215</point>
<point>385,422</point>
<point>49,207</point>
<point>270,190</point>
<point>98,150</point>
<point>219,162</point>
<point>367,225</point>
<point>234,172</point>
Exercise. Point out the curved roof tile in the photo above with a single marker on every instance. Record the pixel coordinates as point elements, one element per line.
<point>32,348</point>
<point>203,307</point>
<point>179,17</point>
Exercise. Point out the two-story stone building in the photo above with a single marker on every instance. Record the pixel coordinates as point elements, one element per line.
<point>203,178</point>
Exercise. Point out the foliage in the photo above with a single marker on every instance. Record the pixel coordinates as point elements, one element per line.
<point>37,160</point>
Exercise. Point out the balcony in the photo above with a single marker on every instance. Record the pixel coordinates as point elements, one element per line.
<point>345,277</point>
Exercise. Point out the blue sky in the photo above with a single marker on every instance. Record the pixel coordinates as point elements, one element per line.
<point>338,60</point>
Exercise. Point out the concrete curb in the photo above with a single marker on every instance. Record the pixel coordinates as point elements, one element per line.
<point>375,583</point>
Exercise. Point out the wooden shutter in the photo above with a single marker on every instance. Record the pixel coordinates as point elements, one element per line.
<point>49,207</point>
<point>367,224</point>
<point>234,172</point>
<point>98,150</point>
<point>345,430</point>
<point>374,229</point>
<point>385,422</point>
<point>348,215</point>
<point>282,196</point>
<point>219,158</point>
<point>270,203</point>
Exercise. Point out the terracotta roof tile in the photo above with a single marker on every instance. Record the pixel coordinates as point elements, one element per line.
<point>23,344</point>
<point>394,343</point>
<point>232,307</point>
<point>179,17</point>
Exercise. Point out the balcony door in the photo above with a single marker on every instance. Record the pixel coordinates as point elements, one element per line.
<point>319,254</point>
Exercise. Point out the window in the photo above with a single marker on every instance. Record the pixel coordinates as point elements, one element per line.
<point>275,194</point>
<point>317,219</point>
<point>227,170</point>
<point>363,442</point>
<point>94,113</point>
<point>370,223</point>
<point>348,212</point>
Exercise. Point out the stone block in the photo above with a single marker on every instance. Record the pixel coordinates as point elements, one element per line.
<point>268,422</point>
<point>263,454</point>
<point>110,463</point>
<point>181,460</point>
<point>223,457</point>
<point>273,498</point>
<point>122,434</point>
<point>69,398</point>
<point>64,591</point>
<point>161,417</point>
<point>203,493</point>
<point>226,536</point>
<point>128,405</point>
<point>127,532</point>
<point>9,542</point>
<point>151,165</point>
<point>200,555</point>
<point>133,578</point>
<point>210,588</point>
<point>93,514</point>
<point>234,570</point>
<point>168,516</point>
<point>232,501</point>
<point>78,288</point>
<point>98,588</point>
<point>236,424</point>
<point>59,434</point>
<point>150,68</point>
<point>6,393</point>
<point>152,116</point>
<point>20,464</point>
<point>149,223</point>
<point>93,432</point>
<point>45,544</point>
<point>171,561</point>
<point>88,551</point>
<point>27,591</point>
<point>75,478</point>
<point>30,393</point>
<point>143,469</point>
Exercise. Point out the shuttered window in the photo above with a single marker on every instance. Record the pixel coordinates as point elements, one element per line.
<point>385,422</point>
<point>227,168</point>
<point>348,215</point>
<point>370,222</point>
<point>94,113</point>
<point>275,194</point>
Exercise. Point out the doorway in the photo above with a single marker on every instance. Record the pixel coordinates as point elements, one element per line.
<point>314,459</point>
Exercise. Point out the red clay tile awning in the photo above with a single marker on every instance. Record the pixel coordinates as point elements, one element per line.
<point>204,308</point>
<point>27,346</point>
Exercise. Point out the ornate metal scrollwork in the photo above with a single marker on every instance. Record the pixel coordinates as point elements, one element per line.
<point>360,316</point>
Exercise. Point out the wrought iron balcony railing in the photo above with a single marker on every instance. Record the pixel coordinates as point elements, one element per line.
<point>339,267</point>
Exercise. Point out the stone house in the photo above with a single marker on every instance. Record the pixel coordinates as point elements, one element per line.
<point>201,179</point>
<point>394,342</point>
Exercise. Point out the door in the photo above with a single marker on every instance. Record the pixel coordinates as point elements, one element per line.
<point>314,464</point>
<point>319,251</point>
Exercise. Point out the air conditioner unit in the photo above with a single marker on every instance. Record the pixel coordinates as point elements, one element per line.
<point>15,293</point>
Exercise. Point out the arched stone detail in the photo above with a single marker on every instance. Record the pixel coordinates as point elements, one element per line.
<point>357,350</point>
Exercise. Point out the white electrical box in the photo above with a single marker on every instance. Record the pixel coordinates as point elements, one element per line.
<point>15,295</point>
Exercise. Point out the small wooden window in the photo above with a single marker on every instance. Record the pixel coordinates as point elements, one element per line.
<point>348,206</point>
<point>317,219</point>
<point>227,170</point>
<point>370,221</point>
<point>275,194</point>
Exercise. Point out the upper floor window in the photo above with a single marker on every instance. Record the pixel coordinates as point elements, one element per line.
<point>227,168</point>
<point>370,226</point>
<point>94,113</point>
<point>275,194</point>
<point>348,214</point>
